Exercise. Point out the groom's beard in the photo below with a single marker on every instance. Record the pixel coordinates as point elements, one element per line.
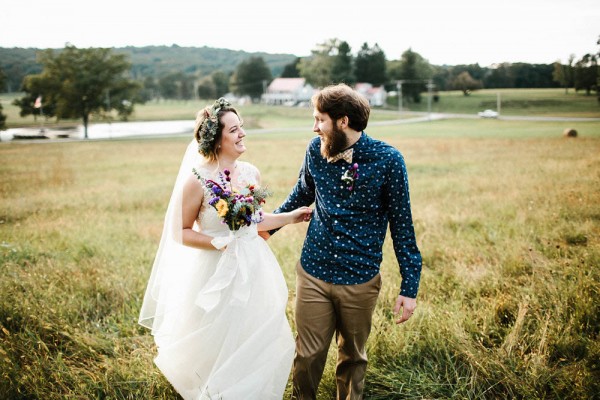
<point>333,143</point>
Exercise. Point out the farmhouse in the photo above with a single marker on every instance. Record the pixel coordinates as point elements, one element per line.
<point>288,91</point>
<point>376,95</point>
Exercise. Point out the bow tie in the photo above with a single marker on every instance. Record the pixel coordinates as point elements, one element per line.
<point>345,155</point>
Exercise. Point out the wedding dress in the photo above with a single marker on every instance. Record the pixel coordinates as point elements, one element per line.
<point>218,317</point>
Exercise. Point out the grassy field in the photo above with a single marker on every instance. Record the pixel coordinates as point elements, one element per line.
<point>507,218</point>
<point>538,102</point>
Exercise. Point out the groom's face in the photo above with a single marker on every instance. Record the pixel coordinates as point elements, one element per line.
<point>333,139</point>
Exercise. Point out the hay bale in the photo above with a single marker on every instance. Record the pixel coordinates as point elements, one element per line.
<point>570,132</point>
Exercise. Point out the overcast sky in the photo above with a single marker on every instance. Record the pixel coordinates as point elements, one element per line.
<point>442,31</point>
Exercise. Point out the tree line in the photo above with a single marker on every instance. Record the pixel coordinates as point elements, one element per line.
<point>78,83</point>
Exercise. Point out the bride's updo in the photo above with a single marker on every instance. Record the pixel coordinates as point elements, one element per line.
<point>208,127</point>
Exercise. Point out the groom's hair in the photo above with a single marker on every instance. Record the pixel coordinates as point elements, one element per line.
<point>341,100</point>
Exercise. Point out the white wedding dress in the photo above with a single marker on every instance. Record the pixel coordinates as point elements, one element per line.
<point>218,317</point>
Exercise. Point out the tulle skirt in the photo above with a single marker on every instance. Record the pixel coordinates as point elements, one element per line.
<point>226,335</point>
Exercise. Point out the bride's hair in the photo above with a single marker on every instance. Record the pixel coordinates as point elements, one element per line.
<point>209,127</point>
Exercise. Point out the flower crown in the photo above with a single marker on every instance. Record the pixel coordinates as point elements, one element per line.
<point>207,131</point>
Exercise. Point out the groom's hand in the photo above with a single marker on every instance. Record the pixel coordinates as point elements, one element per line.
<point>408,306</point>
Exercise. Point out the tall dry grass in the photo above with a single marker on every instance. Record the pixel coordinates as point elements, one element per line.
<point>507,217</point>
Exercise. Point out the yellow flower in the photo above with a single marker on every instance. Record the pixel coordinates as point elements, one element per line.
<point>222,208</point>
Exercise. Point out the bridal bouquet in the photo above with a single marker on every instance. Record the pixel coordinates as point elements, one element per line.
<point>236,208</point>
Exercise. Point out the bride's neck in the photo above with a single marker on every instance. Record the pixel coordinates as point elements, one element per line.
<point>223,163</point>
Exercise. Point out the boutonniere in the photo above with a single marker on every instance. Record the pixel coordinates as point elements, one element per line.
<point>350,176</point>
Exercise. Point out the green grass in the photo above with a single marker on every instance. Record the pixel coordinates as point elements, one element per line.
<point>537,102</point>
<point>507,218</point>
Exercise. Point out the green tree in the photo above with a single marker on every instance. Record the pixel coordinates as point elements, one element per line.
<point>586,73</point>
<point>38,86</point>
<point>500,76</point>
<point>442,76</point>
<point>317,68</point>
<point>149,90</point>
<point>598,73</point>
<point>82,82</point>
<point>414,70</point>
<point>177,85</point>
<point>291,70</point>
<point>465,83</point>
<point>558,75</point>
<point>221,81</point>
<point>206,88</point>
<point>251,78</point>
<point>341,65</point>
<point>370,65</point>
<point>2,115</point>
<point>532,75</point>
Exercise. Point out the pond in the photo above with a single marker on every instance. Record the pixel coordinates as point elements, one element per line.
<point>103,130</point>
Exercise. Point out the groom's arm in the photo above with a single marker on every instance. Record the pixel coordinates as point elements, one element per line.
<point>402,230</point>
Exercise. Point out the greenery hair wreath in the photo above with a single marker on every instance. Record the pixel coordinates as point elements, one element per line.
<point>207,132</point>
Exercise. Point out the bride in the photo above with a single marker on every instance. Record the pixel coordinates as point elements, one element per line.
<point>216,298</point>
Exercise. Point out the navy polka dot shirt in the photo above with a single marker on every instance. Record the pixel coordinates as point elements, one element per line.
<point>345,236</point>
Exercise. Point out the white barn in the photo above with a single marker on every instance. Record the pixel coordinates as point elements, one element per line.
<point>288,91</point>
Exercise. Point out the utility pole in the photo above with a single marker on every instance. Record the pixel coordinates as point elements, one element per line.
<point>429,88</point>
<point>399,90</point>
<point>498,103</point>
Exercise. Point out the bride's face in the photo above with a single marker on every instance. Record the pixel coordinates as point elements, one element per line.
<point>232,136</point>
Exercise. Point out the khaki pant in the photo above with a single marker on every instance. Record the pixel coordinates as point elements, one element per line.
<point>321,309</point>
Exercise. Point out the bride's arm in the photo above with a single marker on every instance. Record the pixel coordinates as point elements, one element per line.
<point>193,195</point>
<point>273,221</point>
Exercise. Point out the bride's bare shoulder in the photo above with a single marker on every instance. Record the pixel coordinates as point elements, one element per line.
<point>193,185</point>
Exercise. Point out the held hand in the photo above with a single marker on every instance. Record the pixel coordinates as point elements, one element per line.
<point>302,214</point>
<point>408,306</point>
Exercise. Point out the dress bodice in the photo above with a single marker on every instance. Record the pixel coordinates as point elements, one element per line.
<point>208,219</point>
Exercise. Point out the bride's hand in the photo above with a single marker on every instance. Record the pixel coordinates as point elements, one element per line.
<point>301,214</point>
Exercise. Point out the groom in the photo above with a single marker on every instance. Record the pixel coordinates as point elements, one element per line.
<point>359,185</point>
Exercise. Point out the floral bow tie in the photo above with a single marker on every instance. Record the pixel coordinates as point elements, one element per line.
<point>345,155</point>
